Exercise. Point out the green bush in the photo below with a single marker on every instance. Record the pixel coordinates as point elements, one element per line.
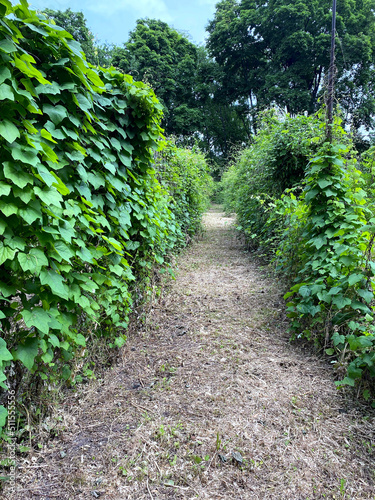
<point>333,299</point>
<point>82,213</point>
<point>185,174</point>
<point>303,201</point>
<point>276,161</point>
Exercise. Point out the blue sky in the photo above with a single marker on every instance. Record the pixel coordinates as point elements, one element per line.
<point>111,20</point>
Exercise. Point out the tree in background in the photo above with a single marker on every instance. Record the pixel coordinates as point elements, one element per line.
<point>223,125</point>
<point>165,59</point>
<point>277,52</point>
<point>188,83</point>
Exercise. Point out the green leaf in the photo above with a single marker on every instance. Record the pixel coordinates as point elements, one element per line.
<point>355,278</point>
<point>82,102</point>
<point>67,233</point>
<point>4,189</point>
<point>52,88</point>
<point>3,416</point>
<point>5,355</point>
<point>340,301</point>
<point>63,250</point>
<point>8,209</point>
<point>56,113</point>
<point>29,214</point>
<point>347,260</point>
<point>3,378</point>
<point>338,339</point>
<point>335,290</point>
<point>37,317</point>
<point>319,241</point>
<point>55,282</point>
<point>94,77</point>
<point>85,255</point>
<point>48,356</point>
<point>359,342</point>
<point>6,92</point>
<point>120,341</point>
<point>25,195</point>
<point>9,131</point>
<point>53,340</point>
<point>49,153</point>
<point>96,180</point>
<point>16,243</point>
<point>113,242</point>
<point>25,154</point>
<point>66,372</point>
<point>7,290</point>
<point>80,340</point>
<point>366,295</point>
<point>355,304</point>
<point>304,291</point>
<point>6,253</point>
<point>27,352</point>
<point>346,381</point>
<point>7,46</point>
<point>311,194</point>
<point>17,175</point>
<point>59,185</point>
<point>50,196</point>
<point>5,74</point>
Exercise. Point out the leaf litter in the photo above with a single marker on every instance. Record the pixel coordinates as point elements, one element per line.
<point>210,400</point>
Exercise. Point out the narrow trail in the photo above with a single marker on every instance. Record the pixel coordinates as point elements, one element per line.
<point>213,374</point>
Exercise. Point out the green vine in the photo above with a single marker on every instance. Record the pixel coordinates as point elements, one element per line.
<point>82,213</point>
<point>335,289</point>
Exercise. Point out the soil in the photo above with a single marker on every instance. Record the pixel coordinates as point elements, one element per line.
<point>210,400</point>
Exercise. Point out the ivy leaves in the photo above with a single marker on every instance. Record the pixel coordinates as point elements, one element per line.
<point>7,129</point>
<point>320,233</point>
<point>337,288</point>
<point>78,199</point>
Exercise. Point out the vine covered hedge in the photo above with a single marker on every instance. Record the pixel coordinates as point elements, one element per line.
<point>185,174</point>
<point>307,206</point>
<point>82,213</point>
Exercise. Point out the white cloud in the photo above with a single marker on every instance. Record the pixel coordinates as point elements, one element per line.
<point>142,8</point>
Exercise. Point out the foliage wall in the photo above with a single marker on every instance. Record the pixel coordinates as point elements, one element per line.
<point>82,213</point>
<point>185,174</point>
<point>305,203</point>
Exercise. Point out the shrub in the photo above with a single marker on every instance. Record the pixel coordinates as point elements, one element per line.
<point>302,200</point>
<point>82,213</point>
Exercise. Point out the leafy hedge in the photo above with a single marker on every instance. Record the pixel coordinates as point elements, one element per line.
<point>320,233</point>
<point>185,174</point>
<point>82,213</point>
<point>274,162</point>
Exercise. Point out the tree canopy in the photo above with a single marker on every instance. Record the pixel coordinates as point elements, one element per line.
<point>277,52</point>
<point>165,59</point>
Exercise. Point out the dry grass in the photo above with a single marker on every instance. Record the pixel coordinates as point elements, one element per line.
<point>213,373</point>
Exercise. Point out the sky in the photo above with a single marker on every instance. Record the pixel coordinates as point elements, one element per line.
<point>111,20</point>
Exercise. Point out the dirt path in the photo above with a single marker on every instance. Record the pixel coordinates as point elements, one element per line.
<point>211,401</point>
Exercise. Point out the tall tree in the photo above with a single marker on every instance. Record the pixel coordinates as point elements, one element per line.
<point>277,52</point>
<point>222,124</point>
<point>188,83</point>
<point>161,56</point>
